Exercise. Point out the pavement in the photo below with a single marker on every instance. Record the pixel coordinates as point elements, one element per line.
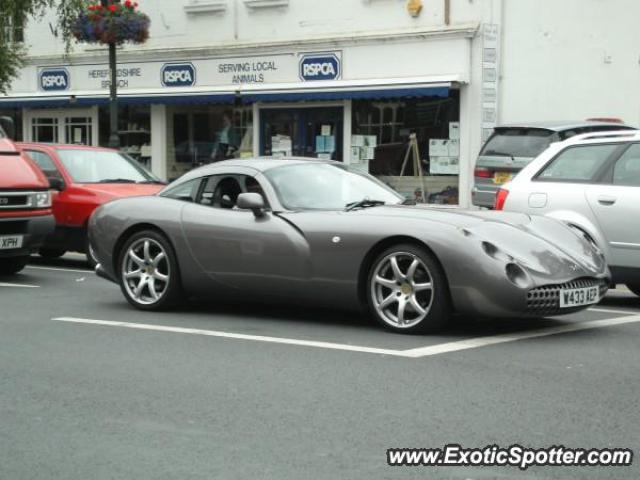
<point>91,388</point>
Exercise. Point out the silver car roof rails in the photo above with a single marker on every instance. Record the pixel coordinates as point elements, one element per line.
<point>613,134</point>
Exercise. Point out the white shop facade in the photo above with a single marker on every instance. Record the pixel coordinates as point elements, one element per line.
<point>399,107</point>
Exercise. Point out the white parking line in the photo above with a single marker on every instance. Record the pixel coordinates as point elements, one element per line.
<point>513,337</point>
<point>238,336</point>
<point>55,269</point>
<point>18,285</point>
<point>411,353</point>
<point>612,310</point>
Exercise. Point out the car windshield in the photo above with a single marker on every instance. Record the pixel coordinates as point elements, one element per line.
<point>102,166</point>
<point>324,186</point>
<point>518,142</point>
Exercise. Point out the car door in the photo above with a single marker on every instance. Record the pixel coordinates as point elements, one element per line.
<point>616,205</point>
<point>61,200</point>
<point>265,254</point>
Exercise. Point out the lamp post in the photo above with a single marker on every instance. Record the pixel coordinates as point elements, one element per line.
<point>114,139</point>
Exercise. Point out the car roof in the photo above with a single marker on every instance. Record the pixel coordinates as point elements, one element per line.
<point>558,126</point>
<point>262,164</point>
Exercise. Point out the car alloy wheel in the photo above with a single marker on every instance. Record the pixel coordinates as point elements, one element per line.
<point>148,271</point>
<point>407,290</point>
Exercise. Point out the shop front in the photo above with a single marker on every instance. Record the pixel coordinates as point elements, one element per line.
<point>391,109</point>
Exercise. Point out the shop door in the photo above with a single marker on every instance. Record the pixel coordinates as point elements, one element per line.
<point>72,126</point>
<point>302,132</point>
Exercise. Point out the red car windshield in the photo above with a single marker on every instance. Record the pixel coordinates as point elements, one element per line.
<point>102,166</point>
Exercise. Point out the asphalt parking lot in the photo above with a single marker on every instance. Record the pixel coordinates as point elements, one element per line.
<point>91,388</point>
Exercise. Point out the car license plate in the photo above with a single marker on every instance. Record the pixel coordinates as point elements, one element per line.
<point>578,297</point>
<point>7,243</point>
<point>502,177</point>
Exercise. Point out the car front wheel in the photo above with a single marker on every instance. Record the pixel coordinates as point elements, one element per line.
<point>9,266</point>
<point>149,277</point>
<point>407,291</point>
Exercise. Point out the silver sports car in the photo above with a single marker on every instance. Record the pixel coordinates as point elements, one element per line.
<point>317,232</point>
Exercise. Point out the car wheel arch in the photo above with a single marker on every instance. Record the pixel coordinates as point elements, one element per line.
<point>576,220</point>
<point>128,233</point>
<point>380,247</point>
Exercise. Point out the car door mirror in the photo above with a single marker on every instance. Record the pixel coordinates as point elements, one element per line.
<point>6,124</point>
<point>56,183</point>
<point>251,201</point>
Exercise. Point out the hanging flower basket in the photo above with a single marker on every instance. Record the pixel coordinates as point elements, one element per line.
<point>115,23</point>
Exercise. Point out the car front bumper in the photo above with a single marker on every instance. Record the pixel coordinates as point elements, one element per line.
<point>32,229</point>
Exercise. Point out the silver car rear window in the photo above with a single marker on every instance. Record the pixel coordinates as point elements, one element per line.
<point>518,142</point>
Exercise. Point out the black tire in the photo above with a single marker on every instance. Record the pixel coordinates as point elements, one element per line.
<point>634,287</point>
<point>438,297</point>
<point>11,266</point>
<point>51,253</point>
<point>171,294</point>
<point>88,251</point>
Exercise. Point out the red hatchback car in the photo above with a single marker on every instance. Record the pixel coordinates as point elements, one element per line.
<point>85,178</point>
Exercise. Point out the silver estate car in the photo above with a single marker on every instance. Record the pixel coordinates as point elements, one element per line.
<point>511,147</point>
<point>592,183</point>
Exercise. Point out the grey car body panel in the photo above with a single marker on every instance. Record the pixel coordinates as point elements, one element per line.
<point>318,256</point>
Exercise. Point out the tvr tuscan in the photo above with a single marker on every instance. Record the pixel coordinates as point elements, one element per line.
<point>317,232</point>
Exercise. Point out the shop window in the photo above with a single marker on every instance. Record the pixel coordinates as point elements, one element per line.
<point>134,131</point>
<point>16,115</point>
<point>410,144</point>
<point>201,134</point>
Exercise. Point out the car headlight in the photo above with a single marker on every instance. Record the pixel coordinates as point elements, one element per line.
<point>43,199</point>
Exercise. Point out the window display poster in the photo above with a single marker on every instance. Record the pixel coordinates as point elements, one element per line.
<point>357,140</point>
<point>281,145</point>
<point>368,153</point>
<point>370,141</point>
<point>438,147</point>
<point>454,148</point>
<point>325,130</point>
<point>454,130</point>
<point>444,165</point>
<point>325,143</point>
<point>355,154</point>
<point>329,143</point>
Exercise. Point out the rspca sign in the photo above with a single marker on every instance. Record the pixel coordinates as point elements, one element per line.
<point>319,67</point>
<point>178,75</point>
<point>54,79</point>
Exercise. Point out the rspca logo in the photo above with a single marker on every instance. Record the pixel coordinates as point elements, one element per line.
<point>319,67</point>
<point>52,80</point>
<point>178,75</point>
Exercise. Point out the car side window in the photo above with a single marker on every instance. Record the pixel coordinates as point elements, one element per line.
<point>186,192</point>
<point>577,164</point>
<point>221,191</point>
<point>45,162</point>
<point>626,171</point>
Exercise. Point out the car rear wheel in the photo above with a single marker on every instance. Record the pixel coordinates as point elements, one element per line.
<point>9,266</point>
<point>149,277</point>
<point>634,287</point>
<point>51,253</point>
<point>407,291</point>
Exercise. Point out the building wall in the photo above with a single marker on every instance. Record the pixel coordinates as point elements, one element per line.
<point>570,60</point>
